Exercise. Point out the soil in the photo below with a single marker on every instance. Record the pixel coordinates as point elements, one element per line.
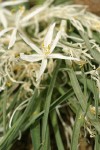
<point>94,5</point>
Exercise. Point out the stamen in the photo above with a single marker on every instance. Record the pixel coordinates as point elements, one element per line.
<point>46,50</point>
<point>22,8</point>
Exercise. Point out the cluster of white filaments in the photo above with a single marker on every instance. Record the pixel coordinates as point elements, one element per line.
<point>24,62</point>
<point>13,24</point>
<point>20,20</point>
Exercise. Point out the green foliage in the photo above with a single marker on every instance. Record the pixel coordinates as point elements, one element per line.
<point>49,59</point>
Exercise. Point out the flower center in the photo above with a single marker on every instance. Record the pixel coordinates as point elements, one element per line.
<point>46,49</point>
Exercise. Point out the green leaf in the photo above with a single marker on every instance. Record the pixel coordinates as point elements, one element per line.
<point>55,126</point>
<point>76,129</point>
<point>97,142</point>
<point>35,135</point>
<point>94,52</point>
<point>4,112</point>
<point>47,102</point>
<point>61,99</point>
<point>77,89</point>
<point>35,129</point>
<point>47,141</point>
<point>13,132</point>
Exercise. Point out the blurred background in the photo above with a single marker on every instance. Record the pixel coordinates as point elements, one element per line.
<point>93,5</point>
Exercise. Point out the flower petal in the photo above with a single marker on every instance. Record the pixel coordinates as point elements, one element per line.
<point>32,45</point>
<point>11,3</point>
<point>13,38</point>
<point>19,15</point>
<point>55,41</point>
<point>31,15</point>
<point>2,32</point>
<point>31,58</point>
<point>49,35</point>
<point>7,12</point>
<point>3,19</point>
<point>60,56</point>
<point>42,68</point>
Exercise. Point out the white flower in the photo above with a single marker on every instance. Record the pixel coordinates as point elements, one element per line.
<point>3,16</point>
<point>46,52</point>
<point>4,12</point>
<point>19,22</point>
<point>15,29</point>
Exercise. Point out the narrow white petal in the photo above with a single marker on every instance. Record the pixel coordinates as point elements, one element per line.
<point>7,12</point>
<point>49,35</point>
<point>60,56</point>
<point>3,19</point>
<point>11,3</point>
<point>5,31</point>
<point>32,45</point>
<point>32,14</point>
<point>18,16</point>
<point>55,41</point>
<point>12,38</point>
<point>42,68</point>
<point>31,58</point>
